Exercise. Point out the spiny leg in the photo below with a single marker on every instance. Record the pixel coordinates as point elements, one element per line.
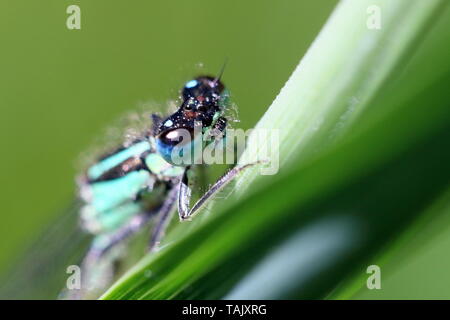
<point>184,195</point>
<point>185,191</point>
<point>164,215</point>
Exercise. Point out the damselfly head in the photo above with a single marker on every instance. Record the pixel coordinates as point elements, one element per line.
<point>203,101</point>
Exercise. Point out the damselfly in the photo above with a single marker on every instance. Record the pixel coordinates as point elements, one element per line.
<point>140,180</point>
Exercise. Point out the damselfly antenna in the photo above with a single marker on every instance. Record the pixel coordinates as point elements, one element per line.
<point>217,79</point>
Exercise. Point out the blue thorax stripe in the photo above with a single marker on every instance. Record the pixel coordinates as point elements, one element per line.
<point>98,169</point>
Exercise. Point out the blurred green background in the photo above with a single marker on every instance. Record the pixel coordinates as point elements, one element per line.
<point>60,88</point>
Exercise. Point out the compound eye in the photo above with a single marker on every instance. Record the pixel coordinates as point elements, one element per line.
<point>176,136</point>
<point>171,138</point>
<point>173,142</point>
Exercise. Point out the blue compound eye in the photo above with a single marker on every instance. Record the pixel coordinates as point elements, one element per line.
<point>174,142</point>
